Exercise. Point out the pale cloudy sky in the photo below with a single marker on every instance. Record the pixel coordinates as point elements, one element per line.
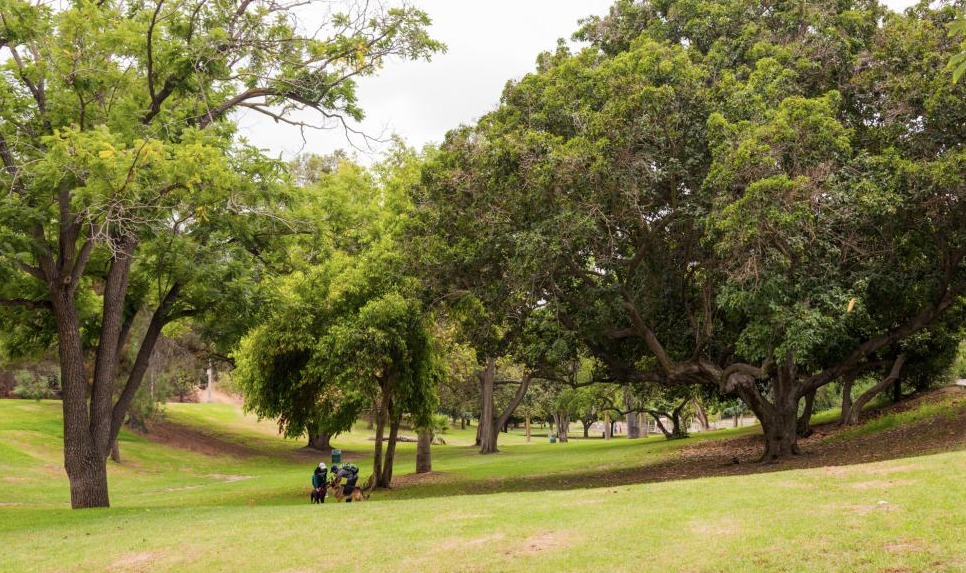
<point>490,42</point>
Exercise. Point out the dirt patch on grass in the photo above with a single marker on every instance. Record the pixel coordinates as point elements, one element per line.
<point>140,561</point>
<point>539,543</point>
<point>185,438</point>
<point>881,484</point>
<point>191,439</point>
<point>903,547</point>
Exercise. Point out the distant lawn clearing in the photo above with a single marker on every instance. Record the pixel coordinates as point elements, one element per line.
<point>177,510</point>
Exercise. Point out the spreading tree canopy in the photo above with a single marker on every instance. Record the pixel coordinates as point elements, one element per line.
<point>762,197</point>
<point>125,189</point>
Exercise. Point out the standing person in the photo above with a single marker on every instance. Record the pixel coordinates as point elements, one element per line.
<point>319,483</point>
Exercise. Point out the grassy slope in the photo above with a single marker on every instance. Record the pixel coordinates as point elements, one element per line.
<point>177,510</point>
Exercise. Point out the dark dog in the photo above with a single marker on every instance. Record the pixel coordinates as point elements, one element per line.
<point>318,495</point>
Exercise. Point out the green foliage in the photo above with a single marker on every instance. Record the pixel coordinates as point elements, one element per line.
<point>711,189</point>
<point>957,63</point>
<point>349,326</point>
<point>36,384</point>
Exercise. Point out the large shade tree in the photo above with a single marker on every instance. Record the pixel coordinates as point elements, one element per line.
<point>755,196</point>
<point>348,332</point>
<point>124,188</point>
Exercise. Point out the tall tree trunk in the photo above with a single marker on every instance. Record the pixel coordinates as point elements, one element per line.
<point>527,423</point>
<point>586,426</point>
<point>608,429</point>
<point>487,430</point>
<point>86,470</point>
<point>424,451</point>
<point>804,424</point>
<point>633,425</point>
<point>633,420</point>
<point>386,479</point>
<point>860,402</point>
<point>644,425</point>
<point>381,414</point>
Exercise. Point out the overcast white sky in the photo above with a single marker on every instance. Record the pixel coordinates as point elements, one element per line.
<point>489,43</point>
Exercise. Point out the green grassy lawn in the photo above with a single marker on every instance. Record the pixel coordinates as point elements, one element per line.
<point>179,510</point>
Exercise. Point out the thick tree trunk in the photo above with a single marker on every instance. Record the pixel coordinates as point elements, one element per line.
<point>487,431</point>
<point>86,468</point>
<point>633,420</point>
<point>320,441</point>
<point>779,426</point>
<point>424,451</point>
<point>645,429</point>
<point>608,428</point>
<point>804,425</point>
<point>586,426</point>
<point>779,418</point>
<point>562,423</point>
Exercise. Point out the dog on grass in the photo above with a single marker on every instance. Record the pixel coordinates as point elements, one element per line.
<point>318,495</point>
<point>339,492</point>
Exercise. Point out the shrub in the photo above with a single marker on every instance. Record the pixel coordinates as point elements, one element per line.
<point>36,385</point>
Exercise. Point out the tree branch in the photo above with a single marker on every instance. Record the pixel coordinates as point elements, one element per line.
<point>26,303</point>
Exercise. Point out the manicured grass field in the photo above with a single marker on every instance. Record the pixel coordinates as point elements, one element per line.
<point>180,510</point>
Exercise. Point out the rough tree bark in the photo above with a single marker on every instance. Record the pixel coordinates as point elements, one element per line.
<point>561,420</point>
<point>633,418</point>
<point>778,417</point>
<point>424,451</point>
<point>487,431</point>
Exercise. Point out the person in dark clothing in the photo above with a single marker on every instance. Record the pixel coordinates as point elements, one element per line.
<point>350,473</point>
<point>319,483</point>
